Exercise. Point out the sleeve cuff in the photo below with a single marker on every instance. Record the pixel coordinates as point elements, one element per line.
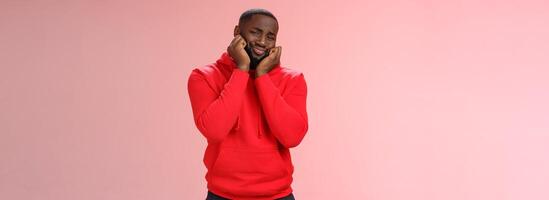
<point>240,75</point>
<point>239,72</point>
<point>263,80</point>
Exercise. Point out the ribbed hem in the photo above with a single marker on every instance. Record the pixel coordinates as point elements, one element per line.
<point>284,193</point>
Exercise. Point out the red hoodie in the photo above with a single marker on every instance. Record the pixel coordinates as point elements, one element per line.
<point>250,124</point>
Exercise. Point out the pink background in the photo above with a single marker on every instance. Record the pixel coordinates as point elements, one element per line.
<point>416,100</point>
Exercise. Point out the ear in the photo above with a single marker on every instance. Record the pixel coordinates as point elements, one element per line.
<point>236,30</point>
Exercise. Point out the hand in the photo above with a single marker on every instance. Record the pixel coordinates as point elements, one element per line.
<point>237,52</point>
<point>269,62</point>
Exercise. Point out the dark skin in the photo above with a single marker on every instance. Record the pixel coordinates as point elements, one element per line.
<point>259,33</point>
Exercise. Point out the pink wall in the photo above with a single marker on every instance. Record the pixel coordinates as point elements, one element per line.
<point>416,100</point>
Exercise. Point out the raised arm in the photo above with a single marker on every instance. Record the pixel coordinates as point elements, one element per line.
<point>286,115</point>
<point>216,113</point>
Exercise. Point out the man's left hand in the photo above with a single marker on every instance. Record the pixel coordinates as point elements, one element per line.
<point>268,63</point>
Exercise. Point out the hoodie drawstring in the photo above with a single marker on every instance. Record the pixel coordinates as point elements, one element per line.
<point>259,124</point>
<point>238,123</point>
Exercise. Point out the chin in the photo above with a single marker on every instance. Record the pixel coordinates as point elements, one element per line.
<point>258,57</point>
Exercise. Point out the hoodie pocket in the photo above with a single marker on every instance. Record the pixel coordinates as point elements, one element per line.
<point>258,170</point>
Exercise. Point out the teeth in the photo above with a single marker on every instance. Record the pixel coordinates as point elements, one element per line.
<point>257,51</point>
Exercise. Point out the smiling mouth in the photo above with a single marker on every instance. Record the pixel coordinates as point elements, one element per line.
<point>257,51</point>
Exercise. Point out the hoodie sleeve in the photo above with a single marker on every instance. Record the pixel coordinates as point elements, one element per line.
<point>286,115</point>
<point>216,113</point>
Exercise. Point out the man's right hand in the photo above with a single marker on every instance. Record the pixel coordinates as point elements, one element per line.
<point>237,52</point>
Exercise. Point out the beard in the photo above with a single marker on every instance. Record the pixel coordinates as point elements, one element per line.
<point>254,61</point>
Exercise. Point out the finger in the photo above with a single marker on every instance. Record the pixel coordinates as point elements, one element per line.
<point>277,53</point>
<point>234,41</point>
<point>242,42</point>
<point>272,52</point>
<point>239,41</point>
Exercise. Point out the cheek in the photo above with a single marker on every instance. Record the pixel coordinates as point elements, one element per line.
<point>250,38</point>
<point>246,37</point>
<point>271,44</point>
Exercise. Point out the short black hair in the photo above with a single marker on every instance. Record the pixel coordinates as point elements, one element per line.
<point>248,14</point>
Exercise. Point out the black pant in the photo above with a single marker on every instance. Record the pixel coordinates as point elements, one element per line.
<point>212,196</point>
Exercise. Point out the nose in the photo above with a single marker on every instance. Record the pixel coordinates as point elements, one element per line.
<point>261,41</point>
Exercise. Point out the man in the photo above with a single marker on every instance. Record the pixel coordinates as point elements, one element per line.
<point>251,111</point>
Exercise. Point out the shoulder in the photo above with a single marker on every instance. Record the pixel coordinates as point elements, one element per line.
<point>290,73</point>
<point>205,70</point>
<point>292,76</point>
<point>204,74</point>
<point>210,72</point>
